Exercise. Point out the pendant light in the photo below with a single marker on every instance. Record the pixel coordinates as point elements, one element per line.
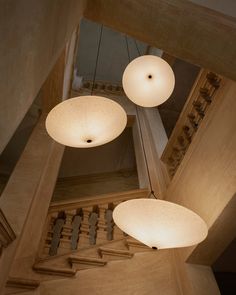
<point>86,121</point>
<point>157,223</point>
<point>160,224</point>
<point>148,80</point>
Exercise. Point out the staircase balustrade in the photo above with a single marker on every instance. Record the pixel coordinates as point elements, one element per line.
<point>82,223</point>
<point>196,107</point>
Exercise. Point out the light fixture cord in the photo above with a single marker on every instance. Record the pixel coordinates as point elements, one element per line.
<point>127,47</point>
<point>96,64</point>
<point>141,134</point>
<point>145,155</point>
<point>135,42</point>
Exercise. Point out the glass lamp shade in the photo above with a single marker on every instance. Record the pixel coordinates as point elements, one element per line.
<point>148,81</point>
<point>86,121</point>
<point>160,224</point>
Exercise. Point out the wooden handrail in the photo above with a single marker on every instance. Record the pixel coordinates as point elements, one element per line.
<point>97,200</point>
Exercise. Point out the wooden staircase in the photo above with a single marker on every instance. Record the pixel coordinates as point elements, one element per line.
<point>67,265</point>
<point>78,235</point>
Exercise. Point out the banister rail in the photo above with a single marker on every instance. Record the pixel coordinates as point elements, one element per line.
<point>201,96</point>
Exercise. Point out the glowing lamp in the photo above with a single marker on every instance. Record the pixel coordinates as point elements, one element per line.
<point>160,224</point>
<point>86,121</point>
<point>148,81</point>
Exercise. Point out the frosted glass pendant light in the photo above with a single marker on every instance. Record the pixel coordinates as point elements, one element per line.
<point>148,81</point>
<point>160,224</point>
<point>86,121</point>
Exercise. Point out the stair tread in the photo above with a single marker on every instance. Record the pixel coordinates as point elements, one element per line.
<point>131,241</point>
<point>62,271</point>
<point>22,283</point>
<point>113,251</point>
<point>86,259</point>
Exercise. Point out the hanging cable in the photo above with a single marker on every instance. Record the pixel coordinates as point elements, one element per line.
<point>96,64</point>
<point>145,155</point>
<point>139,53</point>
<point>127,47</point>
<point>141,134</point>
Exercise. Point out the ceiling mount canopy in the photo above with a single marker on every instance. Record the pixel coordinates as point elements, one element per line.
<point>86,121</point>
<point>148,81</point>
<point>160,224</point>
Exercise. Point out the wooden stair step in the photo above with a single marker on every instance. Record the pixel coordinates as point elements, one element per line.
<point>83,262</point>
<point>135,246</point>
<point>109,254</point>
<point>19,285</point>
<point>56,271</point>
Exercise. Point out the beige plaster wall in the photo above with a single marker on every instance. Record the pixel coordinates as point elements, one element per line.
<point>33,34</point>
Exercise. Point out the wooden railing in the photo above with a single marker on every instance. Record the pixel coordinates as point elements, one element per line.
<point>99,87</point>
<point>81,223</point>
<point>194,111</point>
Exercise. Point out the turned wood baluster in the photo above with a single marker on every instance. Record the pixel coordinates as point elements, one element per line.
<point>198,108</point>
<point>110,224</point>
<point>84,228</point>
<point>57,229</point>
<point>93,228</point>
<point>101,224</point>
<point>48,234</point>
<point>213,79</point>
<point>65,242</point>
<point>186,131</point>
<point>205,94</point>
<point>192,121</point>
<point>76,223</point>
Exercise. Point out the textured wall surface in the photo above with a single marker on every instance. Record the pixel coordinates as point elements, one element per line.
<point>33,35</point>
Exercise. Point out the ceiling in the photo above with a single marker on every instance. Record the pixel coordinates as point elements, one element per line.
<point>113,55</point>
<point>227,7</point>
<point>112,60</point>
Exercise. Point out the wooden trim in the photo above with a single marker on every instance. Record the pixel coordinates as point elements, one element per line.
<point>99,199</point>
<point>182,118</point>
<point>55,271</point>
<point>20,283</point>
<point>115,252</point>
<point>90,261</point>
<point>200,101</point>
<point>7,234</point>
<point>100,87</point>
